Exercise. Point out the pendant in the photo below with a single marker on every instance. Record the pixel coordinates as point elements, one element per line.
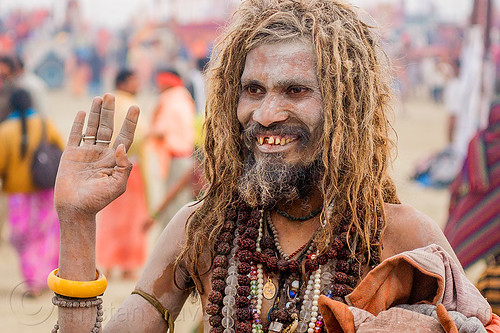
<point>269,290</point>
<point>275,327</point>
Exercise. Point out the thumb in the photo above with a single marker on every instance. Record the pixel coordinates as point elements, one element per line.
<point>122,168</point>
<point>121,156</point>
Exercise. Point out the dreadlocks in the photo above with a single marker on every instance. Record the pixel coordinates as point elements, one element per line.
<point>354,83</point>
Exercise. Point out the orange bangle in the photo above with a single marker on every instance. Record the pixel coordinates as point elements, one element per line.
<point>77,289</point>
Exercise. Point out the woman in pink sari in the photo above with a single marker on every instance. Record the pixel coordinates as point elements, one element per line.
<point>34,226</point>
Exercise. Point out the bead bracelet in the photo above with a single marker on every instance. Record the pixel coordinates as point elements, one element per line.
<point>80,303</point>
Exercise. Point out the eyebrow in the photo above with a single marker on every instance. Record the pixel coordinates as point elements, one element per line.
<point>246,82</point>
<point>283,83</point>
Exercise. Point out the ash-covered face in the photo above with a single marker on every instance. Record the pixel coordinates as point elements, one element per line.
<point>280,110</point>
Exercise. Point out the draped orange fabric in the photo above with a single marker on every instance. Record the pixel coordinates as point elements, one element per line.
<point>121,240</point>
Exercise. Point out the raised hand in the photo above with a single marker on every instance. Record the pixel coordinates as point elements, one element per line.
<point>91,173</point>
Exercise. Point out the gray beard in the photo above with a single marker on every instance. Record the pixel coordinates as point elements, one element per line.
<point>270,180</point>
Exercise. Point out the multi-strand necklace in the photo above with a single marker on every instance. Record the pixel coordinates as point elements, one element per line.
<point>245,260</point>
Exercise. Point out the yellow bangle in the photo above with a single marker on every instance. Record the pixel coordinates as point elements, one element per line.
<point>77,289</point>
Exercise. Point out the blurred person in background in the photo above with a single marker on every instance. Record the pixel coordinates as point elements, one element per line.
<point>13,75</point>
<point>7,73</point>
<point>121,236</point>
<point>33,84</point>
<point>7,80</point>
<point>171,137</point>
<point>34,226</point>
<point>452,89</point>
<point>473,227</point>
<point>96,63</point>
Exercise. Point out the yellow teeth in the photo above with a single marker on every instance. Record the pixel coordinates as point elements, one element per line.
<point>271,140</point>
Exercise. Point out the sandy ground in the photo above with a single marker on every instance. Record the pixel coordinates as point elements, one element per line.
<point>420,129</point>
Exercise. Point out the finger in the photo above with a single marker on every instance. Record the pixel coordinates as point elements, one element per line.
<point>75,135</point>
<point>105,130</point>
<point>93,121</point>
<point>127,131</point>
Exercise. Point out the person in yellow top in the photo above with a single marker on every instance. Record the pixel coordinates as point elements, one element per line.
<point>34,226</point>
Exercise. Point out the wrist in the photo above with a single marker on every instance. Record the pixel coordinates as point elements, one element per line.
<point>73,215</point>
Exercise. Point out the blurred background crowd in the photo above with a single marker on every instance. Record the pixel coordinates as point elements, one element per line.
<point>55,55</point>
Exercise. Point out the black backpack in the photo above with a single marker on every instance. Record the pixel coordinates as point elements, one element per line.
<point>45,162</point>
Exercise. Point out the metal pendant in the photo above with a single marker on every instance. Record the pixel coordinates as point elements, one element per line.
<point>269,290</point>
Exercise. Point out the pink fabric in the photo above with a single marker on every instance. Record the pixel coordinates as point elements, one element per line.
<point>34,233</point>
<point>398,320</point>
<point>459,294</point>
<point>425,275</point>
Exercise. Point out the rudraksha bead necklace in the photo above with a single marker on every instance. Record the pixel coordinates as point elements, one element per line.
<point>244,260</point>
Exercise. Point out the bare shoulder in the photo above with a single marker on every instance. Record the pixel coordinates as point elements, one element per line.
<point>160,279</point>
<point>408,229</point>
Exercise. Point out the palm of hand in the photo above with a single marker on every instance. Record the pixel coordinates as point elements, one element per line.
<point>91,174</point>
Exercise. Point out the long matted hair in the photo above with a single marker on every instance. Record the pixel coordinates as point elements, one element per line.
<point>354,79</point>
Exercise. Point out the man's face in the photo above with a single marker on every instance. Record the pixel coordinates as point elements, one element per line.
<point>280,110</point>
<point>280,101</point>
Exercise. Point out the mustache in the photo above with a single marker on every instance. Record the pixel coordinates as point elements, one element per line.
<point>254,129</point>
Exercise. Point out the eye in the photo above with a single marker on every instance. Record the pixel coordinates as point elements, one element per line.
<point>297,91</point>
<point>253,89</point>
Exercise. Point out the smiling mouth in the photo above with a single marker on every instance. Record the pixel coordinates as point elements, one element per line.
<point>276,140</point>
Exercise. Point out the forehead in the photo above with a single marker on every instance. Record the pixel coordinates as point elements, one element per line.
<point>291,59</point>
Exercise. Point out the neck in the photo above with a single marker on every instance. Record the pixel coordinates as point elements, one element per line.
<point>293,234</point>
<point>302,207</point>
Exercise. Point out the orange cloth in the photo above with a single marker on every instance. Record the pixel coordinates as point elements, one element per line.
<point>336,315</point>
<point>445,319</point>
<point>494,325</point>
<point>121,240</point>
<point>15,171</point>
<point>172,128</point>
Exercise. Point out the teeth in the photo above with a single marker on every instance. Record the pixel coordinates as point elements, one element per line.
<point>270,140</point>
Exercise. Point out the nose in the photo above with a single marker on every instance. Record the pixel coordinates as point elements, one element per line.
<point>271,110</point>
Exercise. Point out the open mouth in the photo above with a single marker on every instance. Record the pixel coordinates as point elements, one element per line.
<point>276,140</point>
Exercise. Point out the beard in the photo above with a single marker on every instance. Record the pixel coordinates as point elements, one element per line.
<point>271,179</point>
